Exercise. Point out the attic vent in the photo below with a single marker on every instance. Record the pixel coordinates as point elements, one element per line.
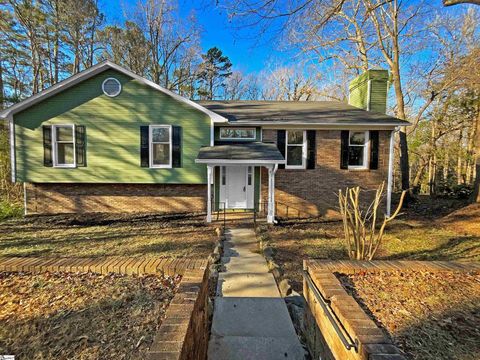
<point>111,87</point>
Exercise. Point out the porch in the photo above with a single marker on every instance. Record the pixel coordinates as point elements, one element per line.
<point>234,178</point>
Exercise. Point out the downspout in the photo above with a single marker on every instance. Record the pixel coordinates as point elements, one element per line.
<point>25,199</point>
<point>390,172</point>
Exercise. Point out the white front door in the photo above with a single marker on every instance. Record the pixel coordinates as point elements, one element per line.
<point>236,187</point>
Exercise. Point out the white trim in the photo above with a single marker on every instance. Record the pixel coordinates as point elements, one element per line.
<point>97,69</point>
<point>150,146</point>
<point>239,128</point>
<point>369,89</point>
<point>119,87</point>
<point>304,151</point>
<point>55,163</point>
<point>391,155</point>
<point>327,126</point>
<point>13,157</point>
<point>238,162</point>
<point>366,151</point>
<point>209,193</point>
<point>25,199</point>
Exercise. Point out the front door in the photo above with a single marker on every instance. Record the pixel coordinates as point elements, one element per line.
<point>236,189</point>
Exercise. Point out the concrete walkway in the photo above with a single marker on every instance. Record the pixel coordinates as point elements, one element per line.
<point>250,319</point>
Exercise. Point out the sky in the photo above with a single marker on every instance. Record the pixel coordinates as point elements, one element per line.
<point>245,52</point>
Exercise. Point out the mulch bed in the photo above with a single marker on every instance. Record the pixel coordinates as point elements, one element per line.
<point>81,315</point>
<point>428,316</point>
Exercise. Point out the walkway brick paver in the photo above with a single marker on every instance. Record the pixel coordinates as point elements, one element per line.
<point>117,264</point>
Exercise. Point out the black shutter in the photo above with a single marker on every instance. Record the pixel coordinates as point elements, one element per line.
<point>144,150</point>
<point>344,149</point>
<point>47,146</point>
<point>176,146</point>
<point>374,150</point>
<point>311,148</point>
<point>80,147</point>
<point>281,145</point>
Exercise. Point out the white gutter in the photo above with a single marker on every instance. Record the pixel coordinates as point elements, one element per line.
<point>238,162</point>
<point>25,199</point>
<point>13,162</point>
<point>390,172</point>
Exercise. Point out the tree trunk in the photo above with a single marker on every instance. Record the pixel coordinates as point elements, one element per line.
<point>2,96</point>
<point>459,159</point>
<point>476,188</point>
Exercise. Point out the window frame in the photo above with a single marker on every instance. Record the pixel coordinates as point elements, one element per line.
<point>151,143</point>
<point>55,162</point>
<point>366,152</point>
<point>304,151</point>
<point>119,87</point>
<point>239,128</point>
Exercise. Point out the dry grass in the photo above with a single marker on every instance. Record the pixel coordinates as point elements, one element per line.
<point>429,316</point>
<point>414,236</point>
<point>106,235</point>
<point>80,316</point>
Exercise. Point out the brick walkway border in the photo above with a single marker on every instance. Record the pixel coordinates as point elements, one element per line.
<point>370,339</point>
<point>113,264</point>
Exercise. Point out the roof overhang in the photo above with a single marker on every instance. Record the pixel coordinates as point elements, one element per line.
<point>92,71</point>
<point>255,153</point>
<point>320,126</point>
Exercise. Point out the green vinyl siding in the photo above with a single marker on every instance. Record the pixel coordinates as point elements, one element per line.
<point>112,134</point>
<point>359,96</point>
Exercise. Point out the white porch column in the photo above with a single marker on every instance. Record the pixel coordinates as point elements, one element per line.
<point>271,193</point>
<point>209,192</point>
<point>390,173</point>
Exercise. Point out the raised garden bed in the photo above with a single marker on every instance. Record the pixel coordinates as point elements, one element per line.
<point>427,315</point>
<point>81,315</point>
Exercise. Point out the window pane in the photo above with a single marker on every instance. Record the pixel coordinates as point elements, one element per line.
<point>248,133</point>
<point>294,155</point>
<point>295,137</point>
<point>161,154</point>
<point>64,133</point>
<point>65,153</point>
<point>237,133</point>
<point>357,138</point>
<point>161,134</point>
<point>355,155</point>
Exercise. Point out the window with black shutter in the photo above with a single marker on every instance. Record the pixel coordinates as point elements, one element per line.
<point>359,150</point>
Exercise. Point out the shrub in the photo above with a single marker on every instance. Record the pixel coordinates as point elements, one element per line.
<point>9,210</point>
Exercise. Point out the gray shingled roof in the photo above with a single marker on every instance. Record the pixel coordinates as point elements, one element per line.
<point>254,151</point>
<point>298,112</point>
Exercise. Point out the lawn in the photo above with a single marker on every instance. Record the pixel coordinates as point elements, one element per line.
<point>81,316</point>
<point>414,236</point>
<point>98,235</point>
<point>428,316</point>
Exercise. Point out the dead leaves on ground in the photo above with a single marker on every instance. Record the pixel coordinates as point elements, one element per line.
<point>83,316</point>
<point>428,315</point>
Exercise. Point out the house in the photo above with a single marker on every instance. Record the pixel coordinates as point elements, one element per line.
<point>108,140</point>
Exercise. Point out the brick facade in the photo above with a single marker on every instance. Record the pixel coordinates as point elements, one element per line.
<point>85,198</point>
<point>313,192</point>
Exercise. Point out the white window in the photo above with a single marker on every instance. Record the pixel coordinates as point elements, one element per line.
<point>63,145</point>
<point>160,146</point>
<point>296,149</point>
<point>358,149</point>
<point>231,133</point>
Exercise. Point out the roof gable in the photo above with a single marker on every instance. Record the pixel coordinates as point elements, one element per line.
<point>95,70</point>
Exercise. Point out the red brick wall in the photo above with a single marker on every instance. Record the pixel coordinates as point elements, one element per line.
<point>314,192</point>
<point>84,198</point>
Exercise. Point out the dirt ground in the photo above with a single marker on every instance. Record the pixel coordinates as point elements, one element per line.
<point>95,235</point>
<point>81,316</point>
<point>428,316</point>
<point>431,229</point>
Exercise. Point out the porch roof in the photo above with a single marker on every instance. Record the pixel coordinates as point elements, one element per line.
<point>248,153</point>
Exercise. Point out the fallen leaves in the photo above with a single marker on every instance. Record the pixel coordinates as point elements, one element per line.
<point>428,315</point>
<point>84,315</point>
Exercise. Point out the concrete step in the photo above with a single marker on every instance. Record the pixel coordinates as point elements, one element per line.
<point>254,348</point>
<point>253,317</point>
<point>247,285</point>
<point>250,263</point>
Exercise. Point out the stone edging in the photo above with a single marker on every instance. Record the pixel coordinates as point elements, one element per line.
<point>371,341</point>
